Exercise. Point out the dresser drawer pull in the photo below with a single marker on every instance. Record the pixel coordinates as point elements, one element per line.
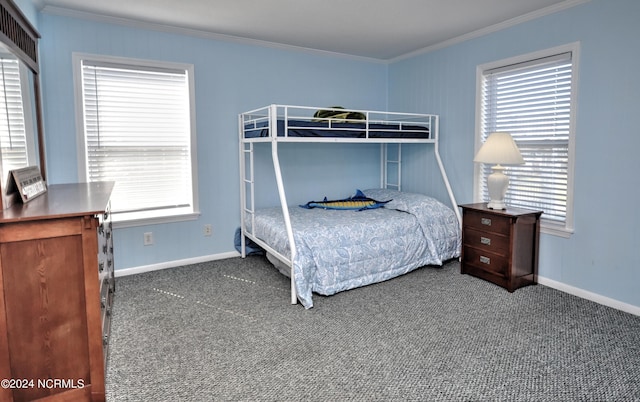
<point>485,221</point>
<point>485,240</point>
<point>485,260</point>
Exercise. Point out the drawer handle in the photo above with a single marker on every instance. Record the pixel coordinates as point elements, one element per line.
<point>485,240</point>
<point>485,260</point>
<point>485,221</point>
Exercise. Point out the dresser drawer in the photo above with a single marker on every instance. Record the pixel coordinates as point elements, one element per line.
<point>488,241</point>
<point>486,261</point>
<point>487,222</point>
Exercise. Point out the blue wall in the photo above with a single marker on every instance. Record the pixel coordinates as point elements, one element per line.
<point>602,255</point>
<point>229,78</point>
<point>29,10</point>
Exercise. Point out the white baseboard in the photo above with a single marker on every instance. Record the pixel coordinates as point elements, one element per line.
<point>594,297</point>
<point>175,263</point>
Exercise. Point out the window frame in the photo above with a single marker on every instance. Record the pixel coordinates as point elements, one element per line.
<point>140,218</point>
<point>565,229</point>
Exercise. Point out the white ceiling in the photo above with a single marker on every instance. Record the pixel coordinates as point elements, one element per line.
<point>378,29</point>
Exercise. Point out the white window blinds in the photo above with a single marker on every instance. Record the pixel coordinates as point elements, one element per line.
<point>532,101</point>
<point>137,133</point>
<point>13,136</point>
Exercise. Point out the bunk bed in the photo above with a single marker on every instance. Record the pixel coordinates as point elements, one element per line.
<point>326,250</point>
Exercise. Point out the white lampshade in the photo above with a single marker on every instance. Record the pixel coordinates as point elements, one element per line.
<point>499,148</point>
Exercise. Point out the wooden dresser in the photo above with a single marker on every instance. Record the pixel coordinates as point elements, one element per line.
<point>500,246</point>
<point>56,291</point>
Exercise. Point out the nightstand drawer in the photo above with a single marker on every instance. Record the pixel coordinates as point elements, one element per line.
<point>488,241</point>
<point>486,261</point>
<point>487,222</point>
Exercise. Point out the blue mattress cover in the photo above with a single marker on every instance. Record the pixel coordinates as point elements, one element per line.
<point>350,129</point>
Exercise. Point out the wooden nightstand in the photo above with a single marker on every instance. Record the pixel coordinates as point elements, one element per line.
<point>500,246</point>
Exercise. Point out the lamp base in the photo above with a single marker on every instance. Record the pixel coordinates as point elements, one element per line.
<point>497,184</point>
<point>496,204</point>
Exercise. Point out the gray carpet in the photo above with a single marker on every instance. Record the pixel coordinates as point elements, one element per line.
<point>225,331</point>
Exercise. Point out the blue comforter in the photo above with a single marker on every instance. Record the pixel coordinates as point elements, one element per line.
<point>339,250</point>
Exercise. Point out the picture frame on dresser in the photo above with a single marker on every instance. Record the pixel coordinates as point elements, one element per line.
<point>26,184</point>
<point>500,246</point>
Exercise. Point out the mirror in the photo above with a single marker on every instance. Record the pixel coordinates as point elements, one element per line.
<point>21,135</point>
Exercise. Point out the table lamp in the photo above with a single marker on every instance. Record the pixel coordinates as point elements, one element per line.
<point>498,149</point>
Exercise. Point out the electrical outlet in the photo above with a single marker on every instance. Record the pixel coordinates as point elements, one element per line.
<point>208,230</point>
<point>148,238</point>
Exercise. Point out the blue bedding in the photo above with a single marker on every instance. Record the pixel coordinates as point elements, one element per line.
<point>350,129</point>
<point>339,250</point>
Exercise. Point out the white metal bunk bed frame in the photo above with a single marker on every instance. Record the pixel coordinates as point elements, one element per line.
<point>270,114</point>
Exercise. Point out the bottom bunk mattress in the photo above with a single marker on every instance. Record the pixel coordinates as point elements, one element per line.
<point>339,250</point>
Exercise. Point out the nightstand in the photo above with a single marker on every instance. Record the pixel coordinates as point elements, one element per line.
<point>500,246</point>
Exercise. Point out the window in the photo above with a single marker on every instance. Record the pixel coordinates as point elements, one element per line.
<point>533,98</point>
<point>16,132</point>
<point>138,130</point>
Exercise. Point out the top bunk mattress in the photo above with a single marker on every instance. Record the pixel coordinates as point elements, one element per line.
<point>338,129</point>
<point>297,122</point>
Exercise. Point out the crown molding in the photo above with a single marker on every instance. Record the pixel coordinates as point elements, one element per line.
<point>493,28</point>
<point>65,12</point>
<point>153,26</point>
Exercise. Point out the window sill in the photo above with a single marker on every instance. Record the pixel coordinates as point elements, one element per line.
<point>555,229</point>
<point>140,220</point>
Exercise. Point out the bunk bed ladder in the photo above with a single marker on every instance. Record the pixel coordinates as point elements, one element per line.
<point>391,164</point>
<point>245,149</point>
<point>247,183</point>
